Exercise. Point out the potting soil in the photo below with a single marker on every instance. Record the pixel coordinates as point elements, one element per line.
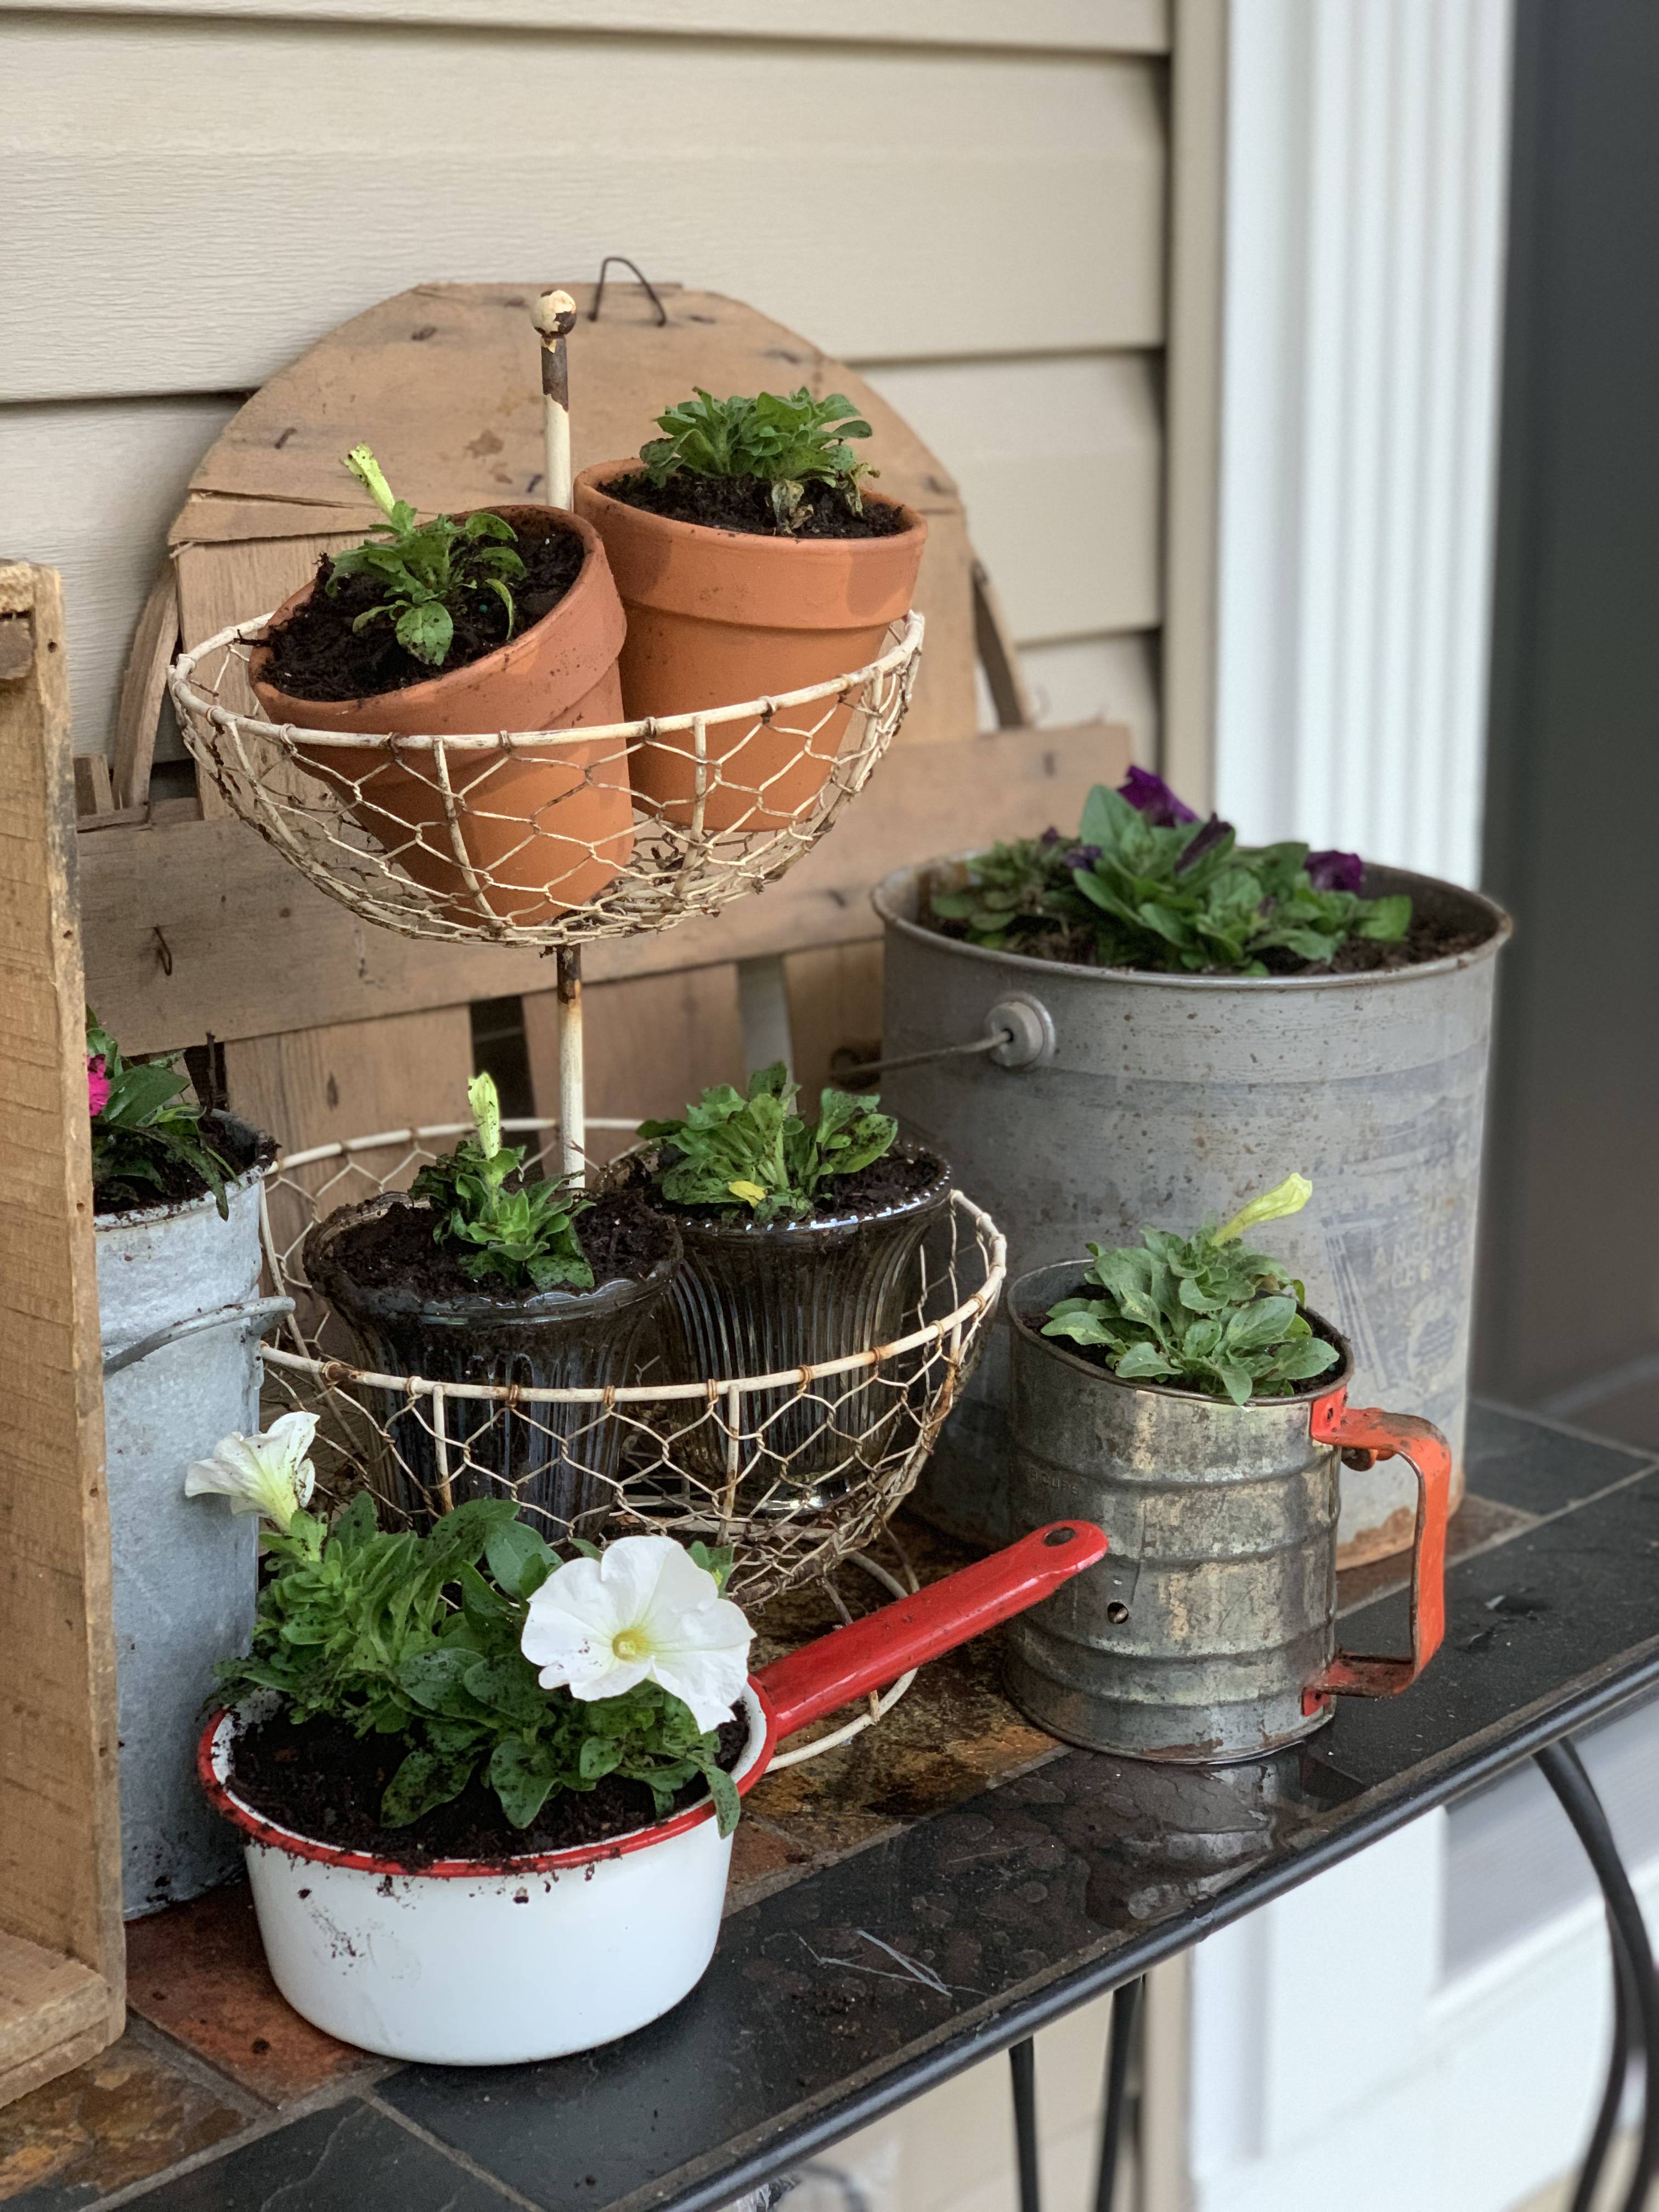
<point>320,1780</point>
<point>893,1179</point>
<point>181,1185</point>
<point>619,1233</point>
<point>744,503</point>
<point>317,654</point>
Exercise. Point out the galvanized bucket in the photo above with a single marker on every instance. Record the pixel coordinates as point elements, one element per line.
<point>1208,1633</point>
<point>180,1313</point>
<point>1126,1099</point>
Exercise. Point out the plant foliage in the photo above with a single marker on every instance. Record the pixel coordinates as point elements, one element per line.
<point>1201,1312</point>
<point>398,1634</point>
<point>1155,889</point>
<point>785,443</point>
<point>522,1234</point>
<point>428,568</point>
<point>736,1148</point>
<point>144,1119</point>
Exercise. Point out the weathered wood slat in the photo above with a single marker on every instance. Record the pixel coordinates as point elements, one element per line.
<point>835,999</point>
<point>47,2001</point>
<point>60,1881</point>
<point>256,950</point>
<point>933,182</point>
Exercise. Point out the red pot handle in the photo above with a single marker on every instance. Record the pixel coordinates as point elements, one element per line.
<point>1364,1428</point>
<point>868,1654</point>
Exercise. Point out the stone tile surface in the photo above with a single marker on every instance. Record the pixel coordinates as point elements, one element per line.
<point>124,2116</point>
<point>349,2158</point>
<point>198,1972</point>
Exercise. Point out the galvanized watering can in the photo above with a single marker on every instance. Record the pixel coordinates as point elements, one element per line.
<point>1209,1632</point>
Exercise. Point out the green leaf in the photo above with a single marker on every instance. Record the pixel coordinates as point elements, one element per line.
<point>728,1808</point>
<point>1237,1380</point>
<point>427,629</point>
<point>1263,1322</point>
<point>513,1549</point>
<point>423,1781</point>
<point>1387,921</point>
<point>523,1777</point>
<point>1144,1362</point>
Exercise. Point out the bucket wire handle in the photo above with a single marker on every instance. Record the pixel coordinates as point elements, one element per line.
<point>823,1676</point>
<point>1425,1451</point>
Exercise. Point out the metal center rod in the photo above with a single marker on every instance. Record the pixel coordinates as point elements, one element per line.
<point>573,1101</point>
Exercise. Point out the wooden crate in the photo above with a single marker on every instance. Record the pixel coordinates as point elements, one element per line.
<point>62,1959</point>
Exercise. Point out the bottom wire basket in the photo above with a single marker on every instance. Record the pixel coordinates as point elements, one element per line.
<point>717,1459</point>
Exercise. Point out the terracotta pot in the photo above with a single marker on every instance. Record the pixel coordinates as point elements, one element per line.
<point>719,616</point>
<point>550,829</point>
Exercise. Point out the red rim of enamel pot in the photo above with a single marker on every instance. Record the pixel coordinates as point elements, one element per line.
<point>801,1687</point>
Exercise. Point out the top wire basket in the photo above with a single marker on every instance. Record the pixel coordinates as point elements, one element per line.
<point>532,837</point>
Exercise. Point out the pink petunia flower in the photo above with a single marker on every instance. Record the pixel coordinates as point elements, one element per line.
<point>97,1086</point>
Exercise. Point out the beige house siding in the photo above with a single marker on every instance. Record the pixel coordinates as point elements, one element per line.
<point>965,201</point>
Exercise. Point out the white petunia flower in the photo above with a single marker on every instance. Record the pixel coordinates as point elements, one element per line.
<point>270,1473</point>
<point>644,1610</point>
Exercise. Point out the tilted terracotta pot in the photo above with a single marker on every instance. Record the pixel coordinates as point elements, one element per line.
<point>719,616</point>
<point>549,829</point>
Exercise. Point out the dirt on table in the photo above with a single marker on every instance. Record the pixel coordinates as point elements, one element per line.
<point>320,1780</point>
<point>619,1233</point>
<point>236,1145</point>
<point>317,654</point>
<point>744,503</point>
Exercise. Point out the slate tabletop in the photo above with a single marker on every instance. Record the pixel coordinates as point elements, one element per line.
<point>900,1908</point>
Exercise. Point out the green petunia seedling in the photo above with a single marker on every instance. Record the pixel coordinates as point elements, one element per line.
<point>785,443</point>
<point>522,1234</point>
<point>428,568</point>
<point>141,1121</point>
<point>1147,885</point>
<point>478,1651</point>
<point>736,1148</point>
<point>1201,1312</point>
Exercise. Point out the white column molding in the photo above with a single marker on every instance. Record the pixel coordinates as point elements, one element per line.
<point>1366,171</point>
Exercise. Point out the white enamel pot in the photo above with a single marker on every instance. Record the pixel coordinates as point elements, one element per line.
<point>462,1963</point>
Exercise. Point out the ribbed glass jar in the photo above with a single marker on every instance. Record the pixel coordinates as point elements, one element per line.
<point>758,1297</point>
<point>560,1461</point>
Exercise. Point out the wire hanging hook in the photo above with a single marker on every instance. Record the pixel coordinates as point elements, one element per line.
<point>622,261</point>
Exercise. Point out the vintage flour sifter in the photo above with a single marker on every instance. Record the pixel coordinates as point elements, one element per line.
<point>1210,1633</point>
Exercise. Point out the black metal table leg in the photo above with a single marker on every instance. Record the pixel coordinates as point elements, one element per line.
<point>1022,2058</point>
<point>1636,1993</point>
<point>1613,2093</point>
<point>1126,2002</point>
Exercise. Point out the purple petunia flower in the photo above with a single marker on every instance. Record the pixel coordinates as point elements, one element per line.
<point>1150,795</point>
<point>1335,872</point>
<point>1083,856</point>
<point>1197,845</point>
<point>1049,837</point>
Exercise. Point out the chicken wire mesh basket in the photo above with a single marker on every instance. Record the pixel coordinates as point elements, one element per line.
<point>528,837</point>
<point>796,1469</point>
